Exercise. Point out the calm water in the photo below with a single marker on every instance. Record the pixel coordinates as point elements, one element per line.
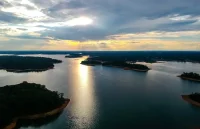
<point>105,97</point>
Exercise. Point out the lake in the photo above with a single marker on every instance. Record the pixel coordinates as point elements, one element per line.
<point>106,97</point>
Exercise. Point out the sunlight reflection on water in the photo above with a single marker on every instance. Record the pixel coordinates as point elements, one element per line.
<point>84,101</point>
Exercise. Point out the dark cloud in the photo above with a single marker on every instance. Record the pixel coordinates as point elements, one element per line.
<point>66,5</point>
<point>22,29</point>
<point>112,17</point>
<point>115,15</point>
<point>10,18</point>
<point>5,4</point>
<point>78,33</point>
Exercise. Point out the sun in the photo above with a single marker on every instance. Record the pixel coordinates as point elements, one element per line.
<point>80,21</point>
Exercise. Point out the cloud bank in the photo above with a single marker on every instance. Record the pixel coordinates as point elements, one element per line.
<point>103,24</point>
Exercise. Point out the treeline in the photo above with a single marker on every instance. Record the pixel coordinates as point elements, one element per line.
<point>12,63</point>
<point>146,56</point>
<point>121,64</point>
<point>191,75</point>
<point>195,97</point>
<point>26,99</point>
<point>126,65</point>
<point>91,62</point>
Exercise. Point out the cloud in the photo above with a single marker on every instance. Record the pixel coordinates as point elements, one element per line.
<point>111,20</point>
<point>10,18</point>
<point>155,34</point>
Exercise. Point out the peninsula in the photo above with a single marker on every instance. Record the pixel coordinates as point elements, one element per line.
<point>28,101</point>
<point>190,76</point>
<point>26,63</point>
<point>121,64</point>
<point>193,99</point>
<point>91,62</point>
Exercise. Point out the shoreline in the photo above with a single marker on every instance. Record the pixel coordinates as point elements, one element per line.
<point>88,64</point>
<point>126,68</point>
<point>190,79</point>
<point>139,70</point>
<point>189,100</point>
<point>37,116</point>
<point>26,70</point>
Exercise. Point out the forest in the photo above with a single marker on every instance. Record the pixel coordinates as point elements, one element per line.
<point>191,75</point>
<point>26,64</point>
<point>195,97</point>
<point>26,99</point>
<point>121,64</point>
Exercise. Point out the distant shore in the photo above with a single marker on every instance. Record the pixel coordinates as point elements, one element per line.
<point>189,100</point>
<point>139,70</point>
<point>89,64</point>
<point>18,64</point>
<point>126,68</point>
<point>37,116</point>
<point>191,79</point>
<point>27,70</point>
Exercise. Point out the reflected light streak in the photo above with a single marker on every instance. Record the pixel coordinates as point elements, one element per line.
<point>84,101</point>
<point>83,72</point>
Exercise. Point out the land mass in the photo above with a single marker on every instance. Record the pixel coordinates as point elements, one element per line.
<point>190,76</point>
<point>193,99</point>
<point>28,101</point>
<point>135,56</point>
<point>146,56</point>
<point>74,55</point>
<point>26,64</point>
<point>120,64</point>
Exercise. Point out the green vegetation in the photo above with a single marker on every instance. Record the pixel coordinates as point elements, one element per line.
<point>91,62</point>
<point>190,75</point>
<point>26,99</point>
<point>26,64</point>
<point>145,56</point>
<point>121,64</point>
<point>195,97</point>
<point>126,65</point>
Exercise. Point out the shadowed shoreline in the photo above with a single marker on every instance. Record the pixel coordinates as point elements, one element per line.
<point>189,100</point>
<point>190,79</point>
<point>38,116</point>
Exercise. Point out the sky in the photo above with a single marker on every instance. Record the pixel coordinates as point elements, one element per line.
<point>102,25</point>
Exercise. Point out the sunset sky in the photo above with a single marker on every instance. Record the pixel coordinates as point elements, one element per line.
<point>100,25</point>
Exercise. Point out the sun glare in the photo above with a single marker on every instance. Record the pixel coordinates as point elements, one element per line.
<point>81,21</point>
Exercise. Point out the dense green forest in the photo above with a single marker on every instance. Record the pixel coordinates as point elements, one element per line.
<point>121,64</point>
<point>26,99</point>
<point>145,56</point>
<point>142,56</point>
<point>126,65</point>
<point>191,75</point>
<point>26,64</point>
<point>91,62</point>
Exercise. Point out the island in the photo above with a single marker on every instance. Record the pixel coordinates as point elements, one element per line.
<point>127,66</point>
<point>190,76</point>
<point>74,55</point>
<point>145,56</point>
<point>120,64</point>
<point>193,99</point>
<point>26,63</point>
<point>91,62</point>
<point>28,101</point>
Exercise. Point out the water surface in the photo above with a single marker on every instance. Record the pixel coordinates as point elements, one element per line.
<point>106,97</point>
